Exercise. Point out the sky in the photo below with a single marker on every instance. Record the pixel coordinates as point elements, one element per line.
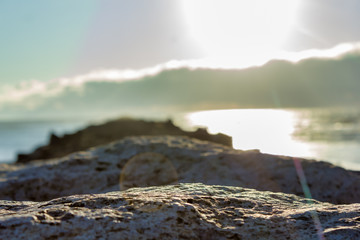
<point>44,39</point>
<point>46,44</point>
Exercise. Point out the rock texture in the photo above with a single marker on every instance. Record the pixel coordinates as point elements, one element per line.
<point>145,161</point>
<point>185,211</point>
<point>111,131</point>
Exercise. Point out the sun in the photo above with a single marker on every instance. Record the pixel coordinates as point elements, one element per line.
<point>240,28</point>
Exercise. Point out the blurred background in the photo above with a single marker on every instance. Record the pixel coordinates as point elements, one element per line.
<point>281,76</point>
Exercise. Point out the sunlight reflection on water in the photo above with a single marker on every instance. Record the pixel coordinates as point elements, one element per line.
<point>272,131</point>
<point>266,129</point>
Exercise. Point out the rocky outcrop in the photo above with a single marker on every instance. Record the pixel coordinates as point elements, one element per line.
<point>185,211</point>
<point>114,130</point>
<point>161,160</point>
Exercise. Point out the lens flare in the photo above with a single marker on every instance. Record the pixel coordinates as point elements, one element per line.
<point>307,193</point>
<point>147,169</point>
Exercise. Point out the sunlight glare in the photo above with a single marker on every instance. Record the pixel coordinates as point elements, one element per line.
<point>236,28</point>
<point>268,130</point>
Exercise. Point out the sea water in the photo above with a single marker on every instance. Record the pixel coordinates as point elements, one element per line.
<point>21,136</point>
<point>331,135</point>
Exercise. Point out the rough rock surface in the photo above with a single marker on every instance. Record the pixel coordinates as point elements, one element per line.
<point>134,161</point>
<point>185,211</point>
<point>114,130</point>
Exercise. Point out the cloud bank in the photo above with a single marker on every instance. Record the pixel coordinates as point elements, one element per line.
<point>314,78</point>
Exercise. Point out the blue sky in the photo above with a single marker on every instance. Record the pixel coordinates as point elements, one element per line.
<point>44,40</point>
<point>40,39</point>
<point>47,39</point>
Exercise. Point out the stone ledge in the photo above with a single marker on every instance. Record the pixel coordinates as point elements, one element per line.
<point>161,160</point>
<point>185,211</point>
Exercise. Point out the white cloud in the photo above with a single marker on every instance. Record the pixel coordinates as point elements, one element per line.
<point>33,88</point>
<point>335,52</point>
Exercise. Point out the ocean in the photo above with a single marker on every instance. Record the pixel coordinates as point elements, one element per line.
<point>331,135</point>
<point>21,136</point>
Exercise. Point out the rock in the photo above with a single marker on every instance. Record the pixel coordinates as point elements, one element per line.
<point>54,139</point>
<point>185,211</point>
<point>111,131</point>
<point>147,169</point>
<point>100,170</point>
